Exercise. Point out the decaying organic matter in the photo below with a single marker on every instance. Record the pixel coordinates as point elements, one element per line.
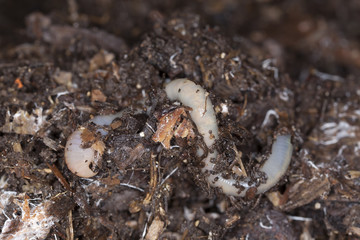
<point>171,125</point>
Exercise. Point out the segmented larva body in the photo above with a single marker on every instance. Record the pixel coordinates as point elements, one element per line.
<point>84,161</point>
<point>80,161</point>
<point>203,115</point>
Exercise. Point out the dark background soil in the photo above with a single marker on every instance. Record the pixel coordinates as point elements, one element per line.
<point>64,62</point>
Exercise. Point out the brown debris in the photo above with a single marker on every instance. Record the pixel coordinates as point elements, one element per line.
<point>171,125</point>
<point>239,170</point>
<point>303,192</point>
<point>99,147</point>
<point>60,177</point>
<point>87,136</point>
<point>134,154</point>
<point>136,205</point>
<point>275,198</point>
<point>153,180</point>
<point>70,229</point>
<point>100,60</point>
<point>353,174</point>
<point>116,124</point>
<point>155,229</point>
<point>97,95</point>
<point>63,78</point>
<point>230,222</point>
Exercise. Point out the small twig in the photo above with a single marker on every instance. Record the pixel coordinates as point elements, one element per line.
<point>206,98</point>
<point>238,159</point>
<point>242,111</point>
<point>71,227</point>
<point>153,180</point>
<point>60,177</point>
<point>184,235</point>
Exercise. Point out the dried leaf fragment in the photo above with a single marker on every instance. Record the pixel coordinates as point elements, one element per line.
<point>99,147</point>
<point>87,135</point>
<point>155,229</point>
<point>98,95</point>
<point>63,78</point>
<point>303,192</point>
<point>100,59</point>
<point>172,124</point>
<point>185,129</point>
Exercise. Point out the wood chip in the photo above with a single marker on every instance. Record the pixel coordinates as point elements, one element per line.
<point>171,125</point>
<point>155,229</point>
<point>97,95</point>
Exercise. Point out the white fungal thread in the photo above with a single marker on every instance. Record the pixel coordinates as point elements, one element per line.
<point>266,64</point>
<point>194,96</point>
<point>269,113</point>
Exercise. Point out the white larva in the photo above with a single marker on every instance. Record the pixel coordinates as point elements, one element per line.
<point>80,161</point>
<point>203,115</point>
<point>83,161</point>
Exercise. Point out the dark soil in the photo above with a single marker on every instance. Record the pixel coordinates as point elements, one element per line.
<point>268,65</point>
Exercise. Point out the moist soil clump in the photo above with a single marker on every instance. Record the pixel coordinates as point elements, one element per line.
<point>60,68</point>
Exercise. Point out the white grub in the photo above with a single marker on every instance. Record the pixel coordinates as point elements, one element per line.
<point>24,123</point>
<point>84,161</point>
<point>81,161</point>
<point>33,223</point>
<point>194,96</point>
